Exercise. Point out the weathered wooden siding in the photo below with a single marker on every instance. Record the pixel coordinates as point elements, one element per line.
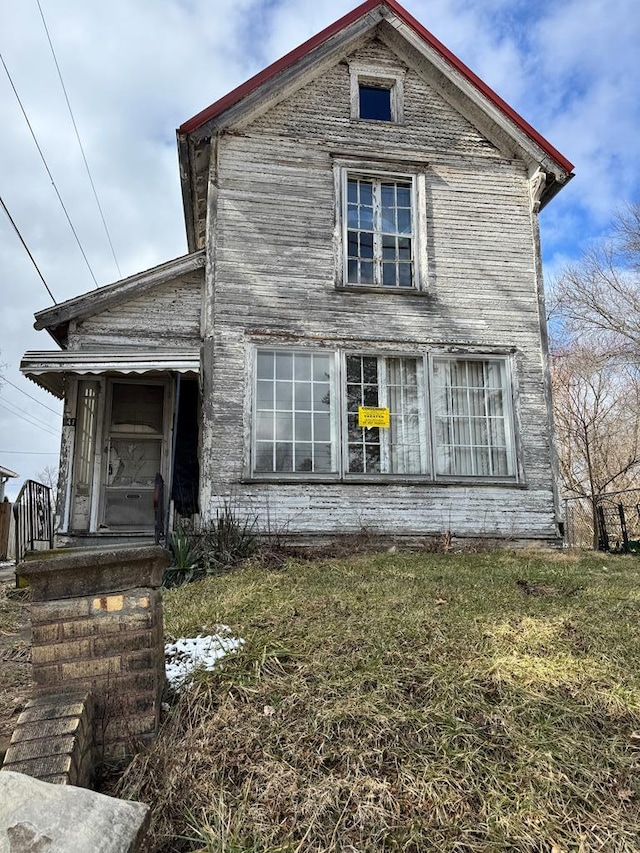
<point>321,112</point>
<point>272,280</point>
<point>167,315</point>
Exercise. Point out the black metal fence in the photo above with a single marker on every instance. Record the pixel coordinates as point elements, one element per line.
<point>615,528</point>
<point>33,519</point>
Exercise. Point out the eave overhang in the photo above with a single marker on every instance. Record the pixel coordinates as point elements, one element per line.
<point>48,369</point>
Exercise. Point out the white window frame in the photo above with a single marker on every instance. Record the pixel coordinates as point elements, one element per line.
<point>383,402</point>
<point>374,172</point>
<point>427,419</point>
<point>334,384</point>
<point>378,76</point>
<point>508,418</point>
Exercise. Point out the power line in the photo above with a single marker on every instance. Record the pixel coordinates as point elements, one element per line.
<point>31,452</point>
<point>30,419</point>
<point>30,396</point>
<point>73,121</point>
<point>26,248</point>
<point>42,157</point>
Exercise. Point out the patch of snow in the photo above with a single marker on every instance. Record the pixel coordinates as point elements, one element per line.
<point>189,653</point>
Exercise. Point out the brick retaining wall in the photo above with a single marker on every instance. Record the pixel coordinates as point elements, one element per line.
<point>97,626</point>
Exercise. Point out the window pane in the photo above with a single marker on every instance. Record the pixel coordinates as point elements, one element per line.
<point>304,458</point>
<point>284,395</point>
<point>366,192</point>
<point>284,457</point>
<point>375,103</point>
<point>404,275</point>
<point>388,193</point>
<point>370,370</point>
<point>322,427</point>
<point>321,397</point>
<point>366,245</point>
<point>284,427</point>
<point>265,365</point>
<point>303,427</point>
<point>322,367</point>
<point>369,395</point>
<point>366,273</point>
<point>264,457</point>
<point>302,367</point>
<point>404,249</point>
<point>303,395</point>
<point>264,426</point>
<point>322,458</point>
<point>389,248</point>
<point>404,221</point>
<point>137,408</point>
<point>372,459</point>
<point>284,365</point>
<point>265,394</point>
<point>389,274</point>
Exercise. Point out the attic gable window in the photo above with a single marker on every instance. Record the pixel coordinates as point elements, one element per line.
<point>374,102</point>
<point>377,94</point>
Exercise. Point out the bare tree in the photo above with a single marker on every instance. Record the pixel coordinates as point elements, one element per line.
<point>597,419</point>
<point>48,476</point>
<point>597,300</point>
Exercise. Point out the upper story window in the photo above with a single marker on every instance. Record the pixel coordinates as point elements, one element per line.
<point>377,93</point>
<point>379,232</point>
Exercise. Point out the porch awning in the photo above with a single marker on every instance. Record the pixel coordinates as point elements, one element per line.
<point>47,369</point>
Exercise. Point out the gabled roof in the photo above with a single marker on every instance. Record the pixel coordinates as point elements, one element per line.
<point>56,320</point>
<point>495,119</point>
<point>218,107</point>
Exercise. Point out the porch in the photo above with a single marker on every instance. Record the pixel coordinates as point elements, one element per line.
<point>129,447</point>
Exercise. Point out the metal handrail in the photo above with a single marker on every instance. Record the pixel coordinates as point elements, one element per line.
<point>33,518</point>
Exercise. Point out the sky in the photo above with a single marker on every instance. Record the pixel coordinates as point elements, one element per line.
<point>134,71</point>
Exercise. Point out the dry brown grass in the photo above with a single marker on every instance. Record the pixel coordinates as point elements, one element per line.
<point>406,702</point>
<point>15,658</point>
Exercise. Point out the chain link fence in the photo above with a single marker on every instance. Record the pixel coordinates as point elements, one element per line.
<point>615,528</point>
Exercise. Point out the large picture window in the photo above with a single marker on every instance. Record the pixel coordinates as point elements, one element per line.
<point>396,384</point>
<point>446,417</point>
<point>293,412</point>
<point>470,409</point>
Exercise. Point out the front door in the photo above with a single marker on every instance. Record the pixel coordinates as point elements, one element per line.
<point>135,454</point>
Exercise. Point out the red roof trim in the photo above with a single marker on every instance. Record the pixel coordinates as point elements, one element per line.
<point>293,56</point>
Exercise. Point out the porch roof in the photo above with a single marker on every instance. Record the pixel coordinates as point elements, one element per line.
<point>47,369</point>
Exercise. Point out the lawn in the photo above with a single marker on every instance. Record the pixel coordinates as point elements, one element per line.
<point>406,702</point>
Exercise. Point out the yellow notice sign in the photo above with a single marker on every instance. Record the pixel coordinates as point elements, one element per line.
<point>370,416</point>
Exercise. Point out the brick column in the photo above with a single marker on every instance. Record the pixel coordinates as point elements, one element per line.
<point>97,625</point>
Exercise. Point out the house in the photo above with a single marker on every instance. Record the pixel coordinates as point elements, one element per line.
<point>5,475</point>
<point>356,338</point>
